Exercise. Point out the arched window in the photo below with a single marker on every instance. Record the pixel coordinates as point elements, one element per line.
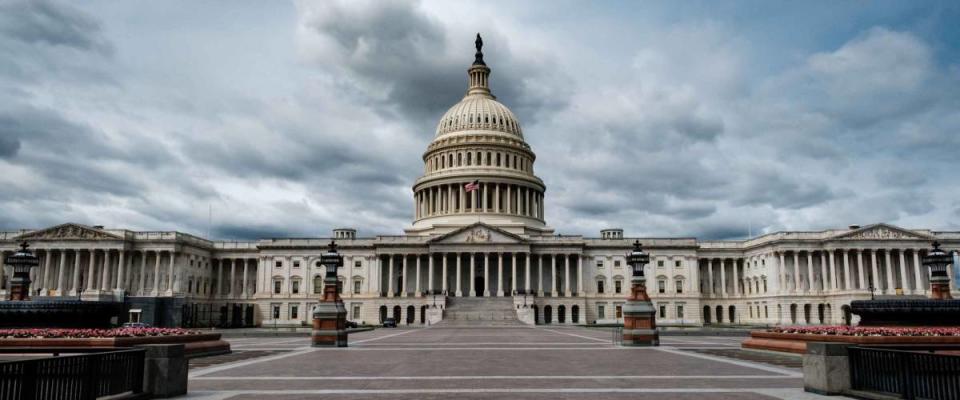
<point>318,284</point>
<point>469,158</point>
<point>459,159</point>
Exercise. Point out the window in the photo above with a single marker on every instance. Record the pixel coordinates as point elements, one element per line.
<point>357,264</point>
<point>677,264</point>
<point>680,312</point>
<point>661,286</point>
<point>619,311</point>
<point>276,286</point>
<point>679,284</point>
<point>318,284</point>
<point>279,264</point>
<point>764,285</point>
<point>339,286</point>
<point>663,311</point>
<point>293,312</point>
<point>766,312</point>
<point>660,263</point>
<point>295,287</point>
<point>600,311</point>
<point>296,264</point>
<point>276,311</point>
<point>356,311</point>
<point>600,287</point>
<point>356,286</point>
<point>616,263</point>
<point>617,286</point>
<point>599,263</point>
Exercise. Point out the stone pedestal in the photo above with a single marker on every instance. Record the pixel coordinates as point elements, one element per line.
<point>164,370</point>
<point>434,315</point>
<point>639,317</point>
<point>329,325</point>
<point>526,315</point>
<point>826,368</point>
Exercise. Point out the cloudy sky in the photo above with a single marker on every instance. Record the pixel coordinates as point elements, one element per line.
<point>288,119</point>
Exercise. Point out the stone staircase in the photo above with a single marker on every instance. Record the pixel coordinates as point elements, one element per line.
<point>480,311</point>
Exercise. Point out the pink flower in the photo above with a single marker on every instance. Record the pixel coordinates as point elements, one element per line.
<point>868,331</point>
<point>92,333</point>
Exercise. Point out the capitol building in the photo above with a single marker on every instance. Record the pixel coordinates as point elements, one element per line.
<point>478,240</point>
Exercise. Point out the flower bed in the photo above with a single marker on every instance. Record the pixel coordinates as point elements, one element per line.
<point>867,331</point>
<point>794,339</point>
<point>195,343</point>
<point>93,333</point>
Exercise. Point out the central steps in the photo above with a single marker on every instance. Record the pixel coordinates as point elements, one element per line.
<point>480,311</point>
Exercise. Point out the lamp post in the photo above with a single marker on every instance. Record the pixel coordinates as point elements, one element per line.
<point>639,316</point>
<point>330,315</point>
<point>938,261</point>
<point>21,261</point>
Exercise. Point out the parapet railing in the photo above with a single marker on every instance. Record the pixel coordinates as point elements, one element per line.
<point>909,374</point>
<point>81,377</point>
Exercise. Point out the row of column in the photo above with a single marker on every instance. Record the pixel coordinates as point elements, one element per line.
<point>489,197</point>
<point>513,272</point>
<point>716,277</point>
<point>236,275</point>
<point>848,269</point>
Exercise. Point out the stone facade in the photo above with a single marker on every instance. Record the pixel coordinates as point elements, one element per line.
<point>479,229</point>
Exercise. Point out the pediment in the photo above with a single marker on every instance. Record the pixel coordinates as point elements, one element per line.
<point>478,233</point>
<point>882,232</point>
<point>69,231</point>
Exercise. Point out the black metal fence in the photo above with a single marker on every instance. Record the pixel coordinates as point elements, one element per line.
<point>911,374</point>
<point>80,377</point>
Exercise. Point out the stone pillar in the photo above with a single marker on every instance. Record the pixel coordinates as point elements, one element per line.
<point>888,267</point>
<point>61,271</point>
<point>566,276</point>
<point>418,293</point>
<point>459,256</point>
<point>513,273</point>
<point>918,279</point>
<point>244,292</point>
<point>233,278</point>
<point>796,271</point>
<point>553,277</point>
<point>540,275</point>
<point>832,272</point>
<point>91,272</point>
<point>75,285</point>
<point>406,275</point>
<point>500,272</point>
<point>826,368</point>
<point>860,275</point>
<point>526,268</point>
<point>444,272</point>
<point>45,283</point>
<point>473,276</point>
<point>736,277</point>
<point>430,273</point>
<point>846,269</point>
<point>172,272</point>
<point>723,278</point>
<point>875,279</point>
<point>165,370</point>
<point>809,287</point>
<point>390,276</point>
<point>486,265</point>
<point>903,272</point>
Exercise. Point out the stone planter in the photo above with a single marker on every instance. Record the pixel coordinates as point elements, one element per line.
<point>797,342</point>
<point>198,345</point>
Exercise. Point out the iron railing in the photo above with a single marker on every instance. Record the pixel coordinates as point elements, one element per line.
<point>80,377</point>
<point>910,374</point>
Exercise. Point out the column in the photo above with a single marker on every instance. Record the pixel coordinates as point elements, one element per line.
<point>390,275</point>
<point>796,272</point>
<point>846,269</point>
<point>246,263</point>
<point>121,274</point>
<point>860,275</point>
<point>91,274</point>
<point>509,200</point>
<point>459,256</point>
<point>406,276</point>
<point>710,276</point>
<point>172,273</point>
<point>444,255</point>
<point>526,268</point>
<point>473,277</point>
<point>156,274</point>
<point>903,272</point>
<point>63,268</point>
<point>143,272</point>
<point>496,206</point>
<point>540,275</point>
<point>513,270</point>
<point>889,269</point>
<point>45,283</point>
<point>486,270</point>
<point>723,278</point>
<point>809,287</point>
<point>783,272</point>
<point>500,273</point>
<point>566,276</point>
<point>430,287</point>
<point>918,279</point>
<point>823,271</point>
<point>580,264</point>
<point>832,272</point>
<point>553,277</point>
<point>418,292</point>
<point>736,278</point>
<point>76,271</point>
<point>876,272</point>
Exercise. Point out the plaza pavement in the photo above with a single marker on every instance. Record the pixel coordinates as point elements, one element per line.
<point>485,363</point>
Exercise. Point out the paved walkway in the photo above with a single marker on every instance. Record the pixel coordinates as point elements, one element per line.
<point>485,363</point>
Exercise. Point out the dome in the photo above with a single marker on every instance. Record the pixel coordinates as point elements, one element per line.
<point>479,112</point>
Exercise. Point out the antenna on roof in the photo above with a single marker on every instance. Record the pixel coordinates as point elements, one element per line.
<point>209,219</point>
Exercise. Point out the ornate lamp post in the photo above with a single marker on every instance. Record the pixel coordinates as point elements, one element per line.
<point>330,316</point>
<point>639,316</point>
<point>938,261</point>
<point>21,261</point>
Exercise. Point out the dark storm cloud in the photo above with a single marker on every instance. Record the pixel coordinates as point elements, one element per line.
<point>53,24</point>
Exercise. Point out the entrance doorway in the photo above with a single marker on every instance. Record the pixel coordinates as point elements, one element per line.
<point>547,315</point>
<point>478,286</point>
<point>562,314</point>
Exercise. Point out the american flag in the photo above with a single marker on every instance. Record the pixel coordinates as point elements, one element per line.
<point>472,186</point>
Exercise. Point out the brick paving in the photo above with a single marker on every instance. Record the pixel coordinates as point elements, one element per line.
<point>495,362</point>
